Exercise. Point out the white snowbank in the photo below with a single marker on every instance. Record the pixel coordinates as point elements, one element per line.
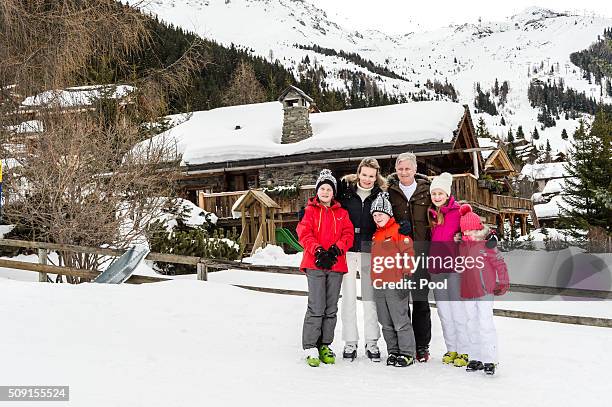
<point>274,255</point>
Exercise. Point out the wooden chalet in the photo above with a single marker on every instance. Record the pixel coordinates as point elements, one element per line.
<point>450,146</point>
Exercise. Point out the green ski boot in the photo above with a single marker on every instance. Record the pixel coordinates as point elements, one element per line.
<point>449,357</point>
<point>326,355</point>
<point>461,361</point>
<point>312,357</point>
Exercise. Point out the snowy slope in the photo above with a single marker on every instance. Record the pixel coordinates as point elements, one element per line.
<point>506,50</point>
<point>189,343</point>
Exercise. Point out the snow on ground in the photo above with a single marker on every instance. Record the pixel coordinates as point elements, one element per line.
<point>187,343</point>
<point>5,229</point>
<point>272,254</point>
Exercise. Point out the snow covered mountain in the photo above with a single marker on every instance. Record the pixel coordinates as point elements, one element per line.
<point>535,40</point>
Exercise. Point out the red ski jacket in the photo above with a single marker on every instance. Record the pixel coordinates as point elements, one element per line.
<point>323,226</point>
<point>388,242</point>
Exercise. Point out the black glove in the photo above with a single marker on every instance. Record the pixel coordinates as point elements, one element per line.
<point>335,250</point>
<point>405,227</point>
<point>319,253</point>
<point>492,239</point>
<point>325,261</point>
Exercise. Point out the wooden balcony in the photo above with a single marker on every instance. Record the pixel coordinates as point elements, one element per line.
<point>465,188</point>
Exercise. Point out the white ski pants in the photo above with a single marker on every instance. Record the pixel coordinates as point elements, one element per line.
<point>452,313</point>
<point>348,309</point>
<point>481,329</point>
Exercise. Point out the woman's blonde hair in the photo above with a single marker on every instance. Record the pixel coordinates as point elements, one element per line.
<point>370,162</point>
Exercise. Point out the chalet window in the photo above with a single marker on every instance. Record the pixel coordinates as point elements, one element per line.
<point>292,102</point>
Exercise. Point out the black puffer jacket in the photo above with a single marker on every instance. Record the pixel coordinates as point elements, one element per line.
<point>359,211</point>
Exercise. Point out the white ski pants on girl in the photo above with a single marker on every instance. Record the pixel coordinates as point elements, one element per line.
<point>481,329</point>
<point>452,313</point>
<point>348,309</point>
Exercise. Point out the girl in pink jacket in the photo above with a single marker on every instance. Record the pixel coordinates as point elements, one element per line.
<point>444,219</point>
<point>485,277</point>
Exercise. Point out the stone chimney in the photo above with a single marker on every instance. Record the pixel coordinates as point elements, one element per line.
<point>296,121</point>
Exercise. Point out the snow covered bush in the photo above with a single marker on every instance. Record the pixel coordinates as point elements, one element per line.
<point>178,233</point>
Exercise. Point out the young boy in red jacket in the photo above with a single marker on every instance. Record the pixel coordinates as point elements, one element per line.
<point>486,277</point>
<point>392,305</point>
<point>326,233</point>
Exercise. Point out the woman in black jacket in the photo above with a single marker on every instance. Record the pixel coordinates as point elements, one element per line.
<point>356,192</point>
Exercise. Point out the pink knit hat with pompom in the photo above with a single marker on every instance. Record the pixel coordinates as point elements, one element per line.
<point>469,220</point>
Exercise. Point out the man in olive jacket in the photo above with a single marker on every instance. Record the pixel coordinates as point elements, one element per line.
<point>410,199</point>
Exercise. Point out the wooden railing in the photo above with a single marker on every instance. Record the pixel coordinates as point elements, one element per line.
<point>465,188</point>
<point>221,203</point>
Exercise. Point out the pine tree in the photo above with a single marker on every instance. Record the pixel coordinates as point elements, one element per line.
<point>481,129</point>
<point>589,188</point>
<point>535,135</point>
<point>564,134</point>
<point>547,155</point>
<point>519,133</point>
<point>244,87</point>
<point>510,147</point>
<point>502,121</point>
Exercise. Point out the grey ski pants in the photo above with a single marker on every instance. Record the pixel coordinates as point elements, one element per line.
<point>320,319</point>
<point>393,309</point>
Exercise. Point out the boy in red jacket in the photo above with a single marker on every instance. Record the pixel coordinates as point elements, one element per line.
<point>486,277</point>
<point>326,233</point>
<point>392,305</point>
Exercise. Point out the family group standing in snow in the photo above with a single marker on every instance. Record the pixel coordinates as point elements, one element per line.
<point>347,224</point>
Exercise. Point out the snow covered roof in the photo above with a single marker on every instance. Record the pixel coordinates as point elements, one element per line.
<point>254,131</point>
<point>544,171</point>
<point>550,209</point>
<point>555,186</point>
<point>30,126</point>
<point>76,96</point>
<point>486,142</point>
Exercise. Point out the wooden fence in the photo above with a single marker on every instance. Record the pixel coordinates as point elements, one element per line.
<point>206,265</point>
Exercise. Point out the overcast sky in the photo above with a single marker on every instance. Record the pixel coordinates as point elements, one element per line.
<point>393,16</point>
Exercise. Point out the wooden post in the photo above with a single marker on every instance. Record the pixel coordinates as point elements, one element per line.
<point>475,164</point>
<point>523,225</point>
<point>42,259</point>
<point>244,235</point>
<point>201,200</point>
<point>202,272</point>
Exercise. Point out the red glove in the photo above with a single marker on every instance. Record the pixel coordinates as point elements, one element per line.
<point>501,289</point>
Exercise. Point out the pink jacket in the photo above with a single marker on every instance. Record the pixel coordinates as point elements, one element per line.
<point>443,236</point>
<point>481,279</point>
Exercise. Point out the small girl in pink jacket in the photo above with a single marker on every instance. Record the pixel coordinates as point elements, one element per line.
<point>486,276</point>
